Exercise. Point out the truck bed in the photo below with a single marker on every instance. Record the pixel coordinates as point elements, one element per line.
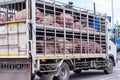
<point>22,37</point>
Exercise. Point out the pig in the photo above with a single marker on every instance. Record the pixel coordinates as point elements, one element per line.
<point>2,17</point>
<point>68,20</point>
<point>80,44</point>
<point>48,20</point>
<point>22,15</point>
<point>50,47</point>
<point>88,28</point>
<point>78,25</point>
<point>91,47</point>
<point>68,47</point>
<point>99,49</point>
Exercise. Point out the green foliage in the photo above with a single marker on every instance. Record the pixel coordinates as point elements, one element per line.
<point>118,31</point>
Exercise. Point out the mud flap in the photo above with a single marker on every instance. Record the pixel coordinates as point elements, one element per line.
<point>47,77</point>
<point>15,69</point>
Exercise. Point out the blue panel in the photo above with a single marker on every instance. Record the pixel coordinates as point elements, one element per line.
<point>118,41</point>
<point>95,24</point>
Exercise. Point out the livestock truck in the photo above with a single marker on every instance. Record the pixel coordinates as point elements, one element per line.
<point>49,39</point>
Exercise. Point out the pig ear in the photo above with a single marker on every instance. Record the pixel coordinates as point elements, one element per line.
<point>37,7</point>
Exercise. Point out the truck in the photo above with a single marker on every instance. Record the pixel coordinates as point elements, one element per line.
<point>49,39</point>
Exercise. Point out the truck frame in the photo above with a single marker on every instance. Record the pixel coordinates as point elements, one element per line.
<point>20,57</point>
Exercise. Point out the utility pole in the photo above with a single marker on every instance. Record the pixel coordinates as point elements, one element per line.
<point>112,19</point>
<point>112,12</point>
<point>94,6</point>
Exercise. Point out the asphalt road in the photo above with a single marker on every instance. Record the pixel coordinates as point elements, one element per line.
<point>95,75</point>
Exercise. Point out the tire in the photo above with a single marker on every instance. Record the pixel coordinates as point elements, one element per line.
<point>38,74</point>
<point>109,68</point>
<point>32,76</point>
<point>64,72</point>
<point>118,55</point>
<point>77,71</point>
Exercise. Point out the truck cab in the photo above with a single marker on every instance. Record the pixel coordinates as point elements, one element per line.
<point>112,51</point>
<point>118,48</point>
<point>112,47</point>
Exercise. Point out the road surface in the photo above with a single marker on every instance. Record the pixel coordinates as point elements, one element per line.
<point>95,75</point>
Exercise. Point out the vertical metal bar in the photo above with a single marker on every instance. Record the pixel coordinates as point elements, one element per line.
<point>55,27</point>
<point>33,22</point>
<point>100,34</point>
<point>73,33</point>
<point>18,25</point>
<point>80,32</point>
<point>22,9</point>
<point>0,8</point>
<point>88,32</point>
<point>27,29</point>
<point>64,30</point>
<point>106,32</point>
<point>45,27</point>
<point>94,35</point>
<point>18,6</point>
<point>27,5</point>
<point>38,64</point>
<point>7,12</point>
<point>11,11</point>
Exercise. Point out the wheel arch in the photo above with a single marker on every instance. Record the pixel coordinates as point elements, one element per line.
<point>111,56</point>
<point>69,63</point>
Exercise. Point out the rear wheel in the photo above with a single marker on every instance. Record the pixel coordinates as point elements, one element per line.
<point>32,76</point>
<point>38,74</point>
<point>64,73</point>
<point>109,68</point>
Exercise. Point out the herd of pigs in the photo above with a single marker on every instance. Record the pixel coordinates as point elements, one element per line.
<point>66,46</point>
<point>80,46</point>
<point>48,19</point>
